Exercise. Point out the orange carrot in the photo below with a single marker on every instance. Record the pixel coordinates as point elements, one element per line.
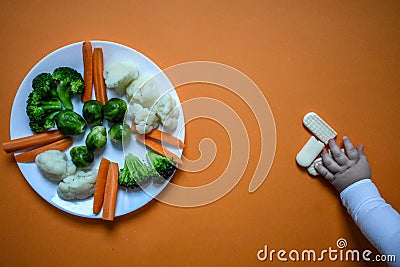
<point>163,137</point>
<point>87,70</point>
<point>158,148</point>
<point>98,79</point>
<point>30,155</point>
<point>100,185</point>
<point>110,193</point>
<point>32,140</point>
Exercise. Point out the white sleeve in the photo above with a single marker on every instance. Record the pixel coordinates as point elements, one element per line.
<point>377,220</point>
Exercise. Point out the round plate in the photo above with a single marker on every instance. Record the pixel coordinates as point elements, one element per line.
<point>71,55</point>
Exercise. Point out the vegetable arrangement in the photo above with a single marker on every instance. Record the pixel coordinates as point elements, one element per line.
<point>55,122</point>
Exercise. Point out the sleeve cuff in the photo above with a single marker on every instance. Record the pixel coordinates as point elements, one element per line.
<point>360,197</point>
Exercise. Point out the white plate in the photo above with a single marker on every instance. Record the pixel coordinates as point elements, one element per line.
<point>71,55</point>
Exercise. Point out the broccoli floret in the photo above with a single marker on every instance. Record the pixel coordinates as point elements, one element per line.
<point>164,166</point>
<point>68,81</point>
<point>33,108</point>
<point>39,108</point>
<point>38,111</point>
<point>45,105</point>
<point>51,92</point>
<point>49,120</point>
<point>135,172</point>
<point>36,127</point>
<point>42,85</point>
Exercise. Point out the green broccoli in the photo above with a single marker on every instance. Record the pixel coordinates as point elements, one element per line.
<point>43,85</point>
<point>135,172</point>
<point>67,81</point>
<point>51,93</point>
<point>164,166</point>
<point>41,110</point>
<point>49,120</point>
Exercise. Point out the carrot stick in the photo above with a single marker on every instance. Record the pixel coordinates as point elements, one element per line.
<point>110,193</point>
<point>98,79</point>
<point>30,155</point>
<point>158,148</point>
<point>87,70</point>
<point>163,137</point>
<point>32,140</point>
<point>100,185</point>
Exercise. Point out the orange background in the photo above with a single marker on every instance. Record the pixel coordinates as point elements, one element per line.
<point>338,58</point>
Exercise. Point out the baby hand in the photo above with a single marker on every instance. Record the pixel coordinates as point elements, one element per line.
<point>343,169</point>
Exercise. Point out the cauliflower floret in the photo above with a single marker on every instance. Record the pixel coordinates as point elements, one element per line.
<point>143,91</point>
<point>118,75</point>
<point>78,186</point>
<point>133,108</point>
<point>144,119</point>
<point>171,121</point>
<point>167,110</point>
<point>55,165</point>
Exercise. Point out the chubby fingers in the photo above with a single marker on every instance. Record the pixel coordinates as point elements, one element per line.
<point>337,154</point>
<point>329,163</point>
<point>351,151</point>
<point>322,170</point>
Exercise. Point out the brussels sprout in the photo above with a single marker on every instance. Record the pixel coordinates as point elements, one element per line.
<point>70,122</point>
<point>97,138</point>
<point>93,113</point>
<point>114,110</point>
<point>81,156</point>
<point>118,132</point>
